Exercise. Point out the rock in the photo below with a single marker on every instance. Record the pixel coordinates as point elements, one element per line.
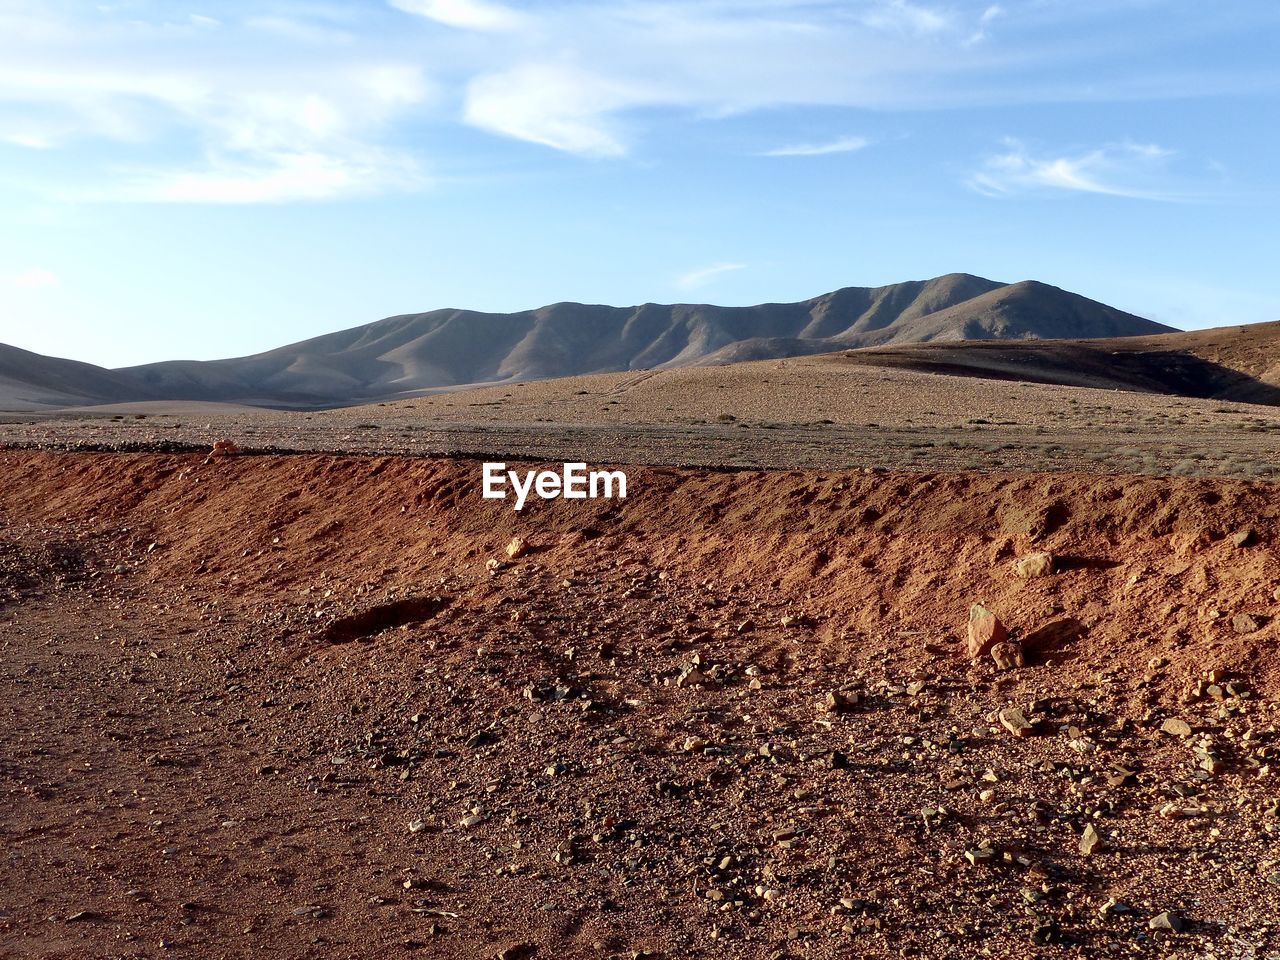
<point>691,676</point>
<point>1245,538</point>
<point>517,548</point>
<point>1176,728</point>
<point>1089,840</point>
<point>1034,565</point>
<point>518,952</point>
<point>224,448</point>
<point>1245,623</point>
<point>985,631</point>
<point>1169,920</point>
<point>471,820</point>
<point>1015,722</point>
<point>417,826</point>
<point>1008,655</point>
<point>693,744</point>
<point>838,701</point>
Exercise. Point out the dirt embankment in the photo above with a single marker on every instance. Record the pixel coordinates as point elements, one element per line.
<point>862,551</point>
<point>288,705</point>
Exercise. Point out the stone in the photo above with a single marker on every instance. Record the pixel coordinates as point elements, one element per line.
<point>1015,722</point>
<point>1169,920</point>
<point>1245,538</point>
<point>1034,565</point>
<point>1245,623</point>
<point>1089,840</point>
<point>1008,655</point>
<point>1176,728</point>
<point>690,677</point>
<point>838,701</point>
<point>517,548</point>
<point>985,631</point>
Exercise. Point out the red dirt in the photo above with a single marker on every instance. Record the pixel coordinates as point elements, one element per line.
<point>233,685</point>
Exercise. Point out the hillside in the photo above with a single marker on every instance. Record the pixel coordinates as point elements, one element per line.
<point>1240,364</point>
<point>413,353</point>
<point>31,380</point>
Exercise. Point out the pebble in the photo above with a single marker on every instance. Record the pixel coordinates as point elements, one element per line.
<point>1244,623</point>
<point>1015,722</point>
<point>1176,728</point>
<point>985,631</point>
<point>1169,920</point>
<point>1089,840</point>
<point>1034,565</point>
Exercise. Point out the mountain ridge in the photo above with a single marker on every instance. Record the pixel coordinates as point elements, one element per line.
<point>450,347</point>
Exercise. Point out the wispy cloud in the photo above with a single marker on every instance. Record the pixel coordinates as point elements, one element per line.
<point>274,178</point>
<point>284,118</point>
<point>905,17</point>
<point>466,14</point>
<point>695,279</point>
<point>1136,171</point>
<point>33,278</point>
<point>554,105</point>
<point>840,145</point>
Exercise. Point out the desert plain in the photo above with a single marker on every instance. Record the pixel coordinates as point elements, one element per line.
<point>320,699</point>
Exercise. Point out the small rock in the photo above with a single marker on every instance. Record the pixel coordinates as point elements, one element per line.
<point>691,676</point>
<point>471,820</point>
<point>1176,728</point>
<point>1089,840</point>
<point>1245,623</point>
<point>985,631</point>
<point>838,701</point>
<point>1034,565</point>
<point>517,548</point>
<point>1015,722</point>
<point>1169,920</point>
<point>1245,538</point>
<point>1008,655</point>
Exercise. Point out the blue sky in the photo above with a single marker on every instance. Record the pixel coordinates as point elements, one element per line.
<point>207,179</point>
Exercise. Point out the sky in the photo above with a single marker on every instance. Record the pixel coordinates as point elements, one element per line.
<point>218,177</point>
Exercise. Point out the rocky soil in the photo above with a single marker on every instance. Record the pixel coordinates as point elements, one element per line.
<point>319,705</point>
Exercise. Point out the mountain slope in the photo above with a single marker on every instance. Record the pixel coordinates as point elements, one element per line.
<point>31,381</point>
<point>1241,364</point>
<point>447,348</point>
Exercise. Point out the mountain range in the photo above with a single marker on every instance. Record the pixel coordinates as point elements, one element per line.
<point>409,354</point>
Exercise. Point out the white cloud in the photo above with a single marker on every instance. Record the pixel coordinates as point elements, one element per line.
<point>33,278</point>
<point>276,178</point>
<point>840,145</point>
<point>465,14</point>
<point>705,275</point>
<point>901,16</point>
<point>252,119</point>
<point>1137,171</point>
<point>557,106</point>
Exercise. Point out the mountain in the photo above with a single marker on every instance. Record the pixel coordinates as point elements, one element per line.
<point>448,348</point>
<point>31,380</point>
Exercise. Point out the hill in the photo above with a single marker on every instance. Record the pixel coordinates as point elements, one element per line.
<point>414,353</point>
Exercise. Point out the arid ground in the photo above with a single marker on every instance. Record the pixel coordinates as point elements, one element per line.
<point>306,705</point>
<point>825,413</point>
